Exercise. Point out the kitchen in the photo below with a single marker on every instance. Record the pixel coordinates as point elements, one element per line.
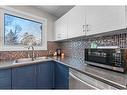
<point>73,47</point>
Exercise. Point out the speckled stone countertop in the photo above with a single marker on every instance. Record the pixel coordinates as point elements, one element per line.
<point>118,80</point>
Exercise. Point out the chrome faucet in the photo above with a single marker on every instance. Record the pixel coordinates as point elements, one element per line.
<point>33,54</point>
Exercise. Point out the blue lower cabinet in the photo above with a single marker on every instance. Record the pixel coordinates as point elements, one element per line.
<point>24,77</point>
<point>45,75</point>
<point>61,77</point>
<point>5,79</point>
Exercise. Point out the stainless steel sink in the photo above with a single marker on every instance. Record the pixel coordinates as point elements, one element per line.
<point>25,60</point>
<point>42,58</point>
<point>22,60</point>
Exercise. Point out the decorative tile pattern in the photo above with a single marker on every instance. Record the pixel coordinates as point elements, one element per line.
<point>75,47</point>
<point>23,54</point>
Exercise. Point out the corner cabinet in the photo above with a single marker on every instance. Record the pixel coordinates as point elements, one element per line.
<point>61,77</point>
<point>24,77</point>
<point>5,79</point>
<point>90,20</point>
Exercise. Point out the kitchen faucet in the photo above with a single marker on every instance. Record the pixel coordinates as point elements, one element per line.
<point>33,55</point>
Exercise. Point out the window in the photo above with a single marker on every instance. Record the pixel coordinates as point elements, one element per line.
<point>20,29</point>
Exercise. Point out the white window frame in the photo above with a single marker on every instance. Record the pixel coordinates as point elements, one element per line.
<point>12,11</point>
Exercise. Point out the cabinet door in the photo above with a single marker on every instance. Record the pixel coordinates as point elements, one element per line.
<point>76,22</point>
<point>61,79</point>
<point>45,75</point>
<point>24,77</point>
<point>64,26</point>
<point>126,16</point>
<point>61,28</point>
<point>5,79</point>
<point>58,30</point>
<point>100,19</point>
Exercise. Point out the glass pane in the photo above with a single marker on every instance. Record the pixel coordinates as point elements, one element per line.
<point>20,31</point>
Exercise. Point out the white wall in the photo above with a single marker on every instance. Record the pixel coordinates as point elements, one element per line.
<point>40,13</point>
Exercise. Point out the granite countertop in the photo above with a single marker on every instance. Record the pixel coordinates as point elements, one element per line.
<point>118,80</point>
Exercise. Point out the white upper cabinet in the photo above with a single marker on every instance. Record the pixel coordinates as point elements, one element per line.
<point>126,15</point>
<point>57,30</point>
<point>100,19</point>
<point>76,22</point>
<point>61,28</point>
<point>64,27</point>
<point>89,20</point>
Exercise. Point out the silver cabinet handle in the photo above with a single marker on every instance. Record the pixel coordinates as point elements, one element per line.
<point>84,28</point>
<point>87,27</point>
<point>58,35</point>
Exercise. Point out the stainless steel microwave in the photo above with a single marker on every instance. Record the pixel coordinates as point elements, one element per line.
<point>114,59</point>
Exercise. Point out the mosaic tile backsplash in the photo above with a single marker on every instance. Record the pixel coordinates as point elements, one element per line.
<point>75,47</point>
<point>23,54</point>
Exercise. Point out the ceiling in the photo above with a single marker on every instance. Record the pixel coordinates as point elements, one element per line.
<point>57,11</point>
